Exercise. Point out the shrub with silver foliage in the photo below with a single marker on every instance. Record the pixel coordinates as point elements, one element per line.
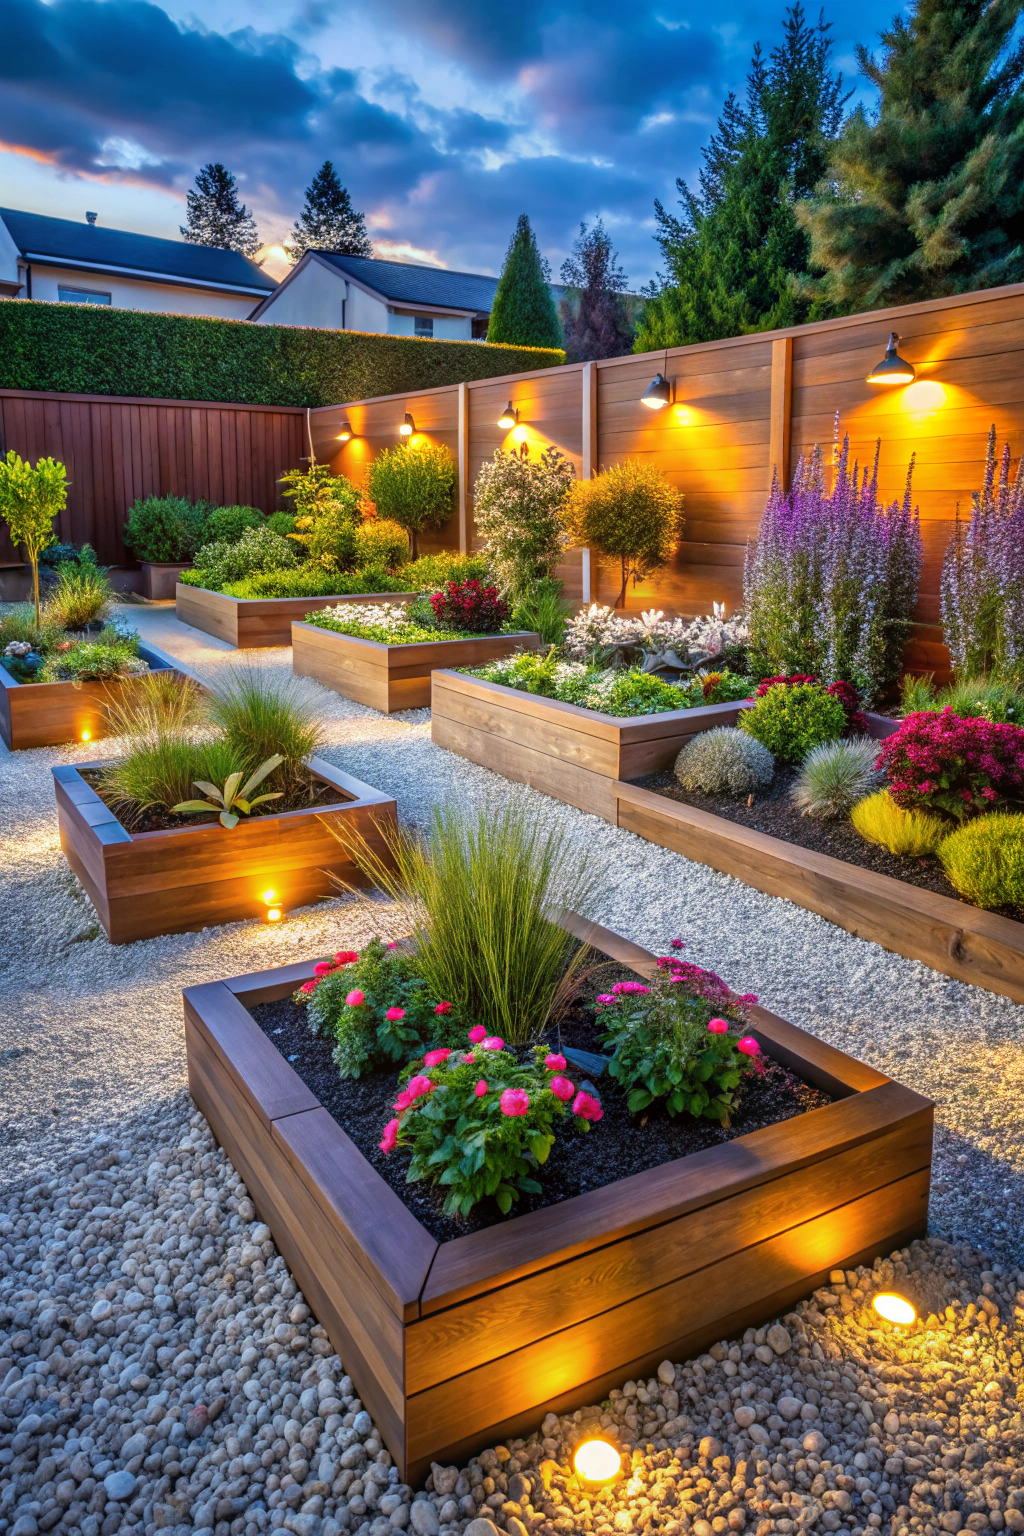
<point>724,761</point>
<point>834,776</point>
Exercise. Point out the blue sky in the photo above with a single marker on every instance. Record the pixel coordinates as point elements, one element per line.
<point>445,118</point>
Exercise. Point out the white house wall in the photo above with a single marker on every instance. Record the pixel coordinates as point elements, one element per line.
<point>8,256</point>
<point>446,327</point>
<point>136,293</point>
<point>321,297</point>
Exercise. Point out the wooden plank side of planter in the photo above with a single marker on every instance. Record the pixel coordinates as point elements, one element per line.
<point>950,936</point>
<point>792,1262</point>
<point>255,623</point>
<point>47,714</point>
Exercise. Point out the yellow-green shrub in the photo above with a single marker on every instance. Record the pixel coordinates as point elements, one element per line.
<point>984,860</point>
<point>911,834</point>
<point>382,543</point>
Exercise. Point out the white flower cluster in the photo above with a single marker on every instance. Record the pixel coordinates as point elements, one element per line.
<point>387,615</point>
<point>598,629</point>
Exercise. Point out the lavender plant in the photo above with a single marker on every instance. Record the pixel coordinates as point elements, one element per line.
<point>982,587</point>
<point>831,581</point>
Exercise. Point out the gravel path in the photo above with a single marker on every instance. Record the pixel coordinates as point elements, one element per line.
<point>158,1369</point>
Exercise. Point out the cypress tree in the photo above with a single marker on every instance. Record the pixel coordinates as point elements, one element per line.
<point>523,313</point>
<point>736,255</point>
<point>927,194</point>
<point>215,216</point>
<point>593,314</point>
<point>328,221</point>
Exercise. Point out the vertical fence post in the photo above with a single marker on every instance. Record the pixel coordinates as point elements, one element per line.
<point>463,468</point>
<point>589,385</point>
<point>781,409</point>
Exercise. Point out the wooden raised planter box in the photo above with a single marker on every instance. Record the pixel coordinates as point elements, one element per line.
<point>460,1344</point>
<point>160,579</point>
<point>573,754</point>
<point>147,883</point>
<point>249,623</point>
<point>47,714</point>
<point>390,677</point>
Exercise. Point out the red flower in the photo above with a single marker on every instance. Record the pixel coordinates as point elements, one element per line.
<point>435,1058</point>
<point>442,1007</point>
<point>514,1101</point>
<point>323,968</point>
<point>345,956</point>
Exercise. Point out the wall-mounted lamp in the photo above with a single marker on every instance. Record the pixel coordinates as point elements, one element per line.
<point>893,369</point>
<point>509,416</point>
<point>658,393</point>
<point>408,426</point>
<point>345,435</point>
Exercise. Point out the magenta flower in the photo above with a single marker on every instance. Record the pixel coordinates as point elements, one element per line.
<point>747,997</point>
<point>586,1106</point>
<point>356,998</point>
<point>469,1060</point>
<point>308,986</point>
<point>622,988</point>
<point>442,1007</point>
<point>605,998</point>
<point>718,1026</point>
<point>418,1086</point>
<point>480,1089</point>
<point>749,1046</point>
<point>555,1063</point>
<point>477,1033</point>
<point>323,968</point>
<point>394,1014</point>
<point>403,1101</point>
<point>346,956</point>
<point>514,1101</point>
<point>435,1058</point>
<point>390,1136</point>
<point>562,1088</point>
<point>494,1043</point>
<point>677,944</point>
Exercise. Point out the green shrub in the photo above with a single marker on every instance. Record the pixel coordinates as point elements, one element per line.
<point>225,525</point>
<point>166,529</point>
<point>431,572</point>
<point>80,595</point>
<point>381,541</point>
<point>724,761</point>
<point>414,485</point>
<point>364,1037</point>
<point>92,350</point>
<point>790,721</point>
<point>910,834</point>
<point>638,693</point>
<point>318,489</point>
<point>330,539</point>
<point>984,860</point>
<point>257,551</point>
<point>111,654</point>
<point>305,581</point>
<point>835,776</point>
<point>282,523</point>
<point>720,687</point>
<point>544,610</point>
<point>630,513</point>
<point>517,509</point>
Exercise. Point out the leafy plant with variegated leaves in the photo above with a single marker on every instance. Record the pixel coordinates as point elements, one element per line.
<point>235,799</point>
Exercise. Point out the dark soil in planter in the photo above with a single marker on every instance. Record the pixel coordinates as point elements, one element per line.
<point>155,819</point>
<point>774,813</point>
<point>618,1145</point>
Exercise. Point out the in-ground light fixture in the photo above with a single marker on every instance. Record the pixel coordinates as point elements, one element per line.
<point>408,426</point>
<point>509,416</point>
<point>273,906</point>
<point>894,1308</point>
<point>85,735</point>
<point>893,369</point>
<point>658,393</point>
<point>596,1461</point>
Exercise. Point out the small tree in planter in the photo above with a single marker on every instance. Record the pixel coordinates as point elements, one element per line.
<point>517,507</point>
<point>629,512</point>
<point>414,484</point>
<point>30,499</point>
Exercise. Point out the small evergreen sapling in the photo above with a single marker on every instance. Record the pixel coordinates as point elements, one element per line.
<point>523,310</point>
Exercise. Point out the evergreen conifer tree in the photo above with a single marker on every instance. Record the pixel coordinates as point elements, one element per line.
<point>328,221</point>
<point>927,195</point>
<point>594,318</point>
<point>524,313</point>
<point>215,215</point>
<point>735,256</point>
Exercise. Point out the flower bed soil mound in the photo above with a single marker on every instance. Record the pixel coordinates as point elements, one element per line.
<point>154,818</point>
<point>618,1145</point>
<point>774,813</point>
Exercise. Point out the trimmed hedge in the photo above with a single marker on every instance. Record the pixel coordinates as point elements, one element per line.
<point>87,349</point>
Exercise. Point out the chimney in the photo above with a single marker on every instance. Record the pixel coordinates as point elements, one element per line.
<point>90,218</point>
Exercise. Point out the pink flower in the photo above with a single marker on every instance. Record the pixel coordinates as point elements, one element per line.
<point>749,1046</point>
<point>604,998</point>
<point>418,1086</point>
<point>435,1058</point>
<point>623,987</point>
<point>677,944</point>
<point>477,1033</point>
<point>442,1007</point>
<point>346,956</point>
<point>514,1101</point>
<point>403,1101</point>
<point>469,1060</point>
<point>494,1043</point>
<point>390,1137</point>
<point>393,944</point>
<point>323,968</point>
<point>308,986</point>
<point>480,1089</point>
<point>555,1063</point>
<point>586,1106</point>
<point>748,997</point>
<point>356,998</point>
<point>718,1026</point>
<point>394,1014</point>
<point>562,1088</point>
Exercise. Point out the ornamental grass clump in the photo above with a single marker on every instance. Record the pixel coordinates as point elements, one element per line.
<point>680,1040</point>
<point>831,581</point>
<point>982,586</point>
<point>789,721</point>
<point>908,834</point>
<point>988,697</point>
<point>724,761</point>
<point>984,860</point>
<point>834,777</point>
<point>80,596</point>
<point>481,1121</point>
<point>954,767</point>
<point>260,717</point>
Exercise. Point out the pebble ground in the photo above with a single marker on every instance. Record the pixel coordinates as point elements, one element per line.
<point>159,1369</point>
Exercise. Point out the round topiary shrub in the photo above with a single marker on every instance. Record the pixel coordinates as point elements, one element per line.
<point>984,860</point>
<point>225,525</point>
<point>165,529</point>
<point>834,776</point>
<point>724,761</point>
<point>380,541</point>
<point>790,721</point>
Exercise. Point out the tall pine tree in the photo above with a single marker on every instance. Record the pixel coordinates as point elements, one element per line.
<point>523,313</point>
<point>735,257</point>
<point>594,317</point>
<point>215,215</point>
<point>328,221</point>
<point>927,194</point>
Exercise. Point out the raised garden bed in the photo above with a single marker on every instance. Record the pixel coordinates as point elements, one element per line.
<point>187,877</point>
<point>250,623</point>
<point>390,677</point>
<point>160,578</point>
<point>571,753</point>
<point>459,1343</point>
<point>47,714</point>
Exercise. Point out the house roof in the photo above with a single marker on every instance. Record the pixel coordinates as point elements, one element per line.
<point>404,284</point>
<point>91,247</point>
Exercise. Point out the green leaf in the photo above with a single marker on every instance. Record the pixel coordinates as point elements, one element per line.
<point>503,1196</point>
<point>638,1100</point>
<point>211,790</point>
<point>192,807</point>
<point>261,773</point>
<point>228,820</point>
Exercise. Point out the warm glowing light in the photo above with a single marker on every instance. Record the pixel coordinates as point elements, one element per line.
<point>895,1309</point>
<point>345,435</point>
<point>408,426</point>
<point>893,369</point>
<point>520,435</point>
<point>87,735</point>
<point>925,395</point>
<point>273,914</point>
<point>270,898</point>
<point>597,1462</point>
<point>508,417</point>
<point>658,393</point>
